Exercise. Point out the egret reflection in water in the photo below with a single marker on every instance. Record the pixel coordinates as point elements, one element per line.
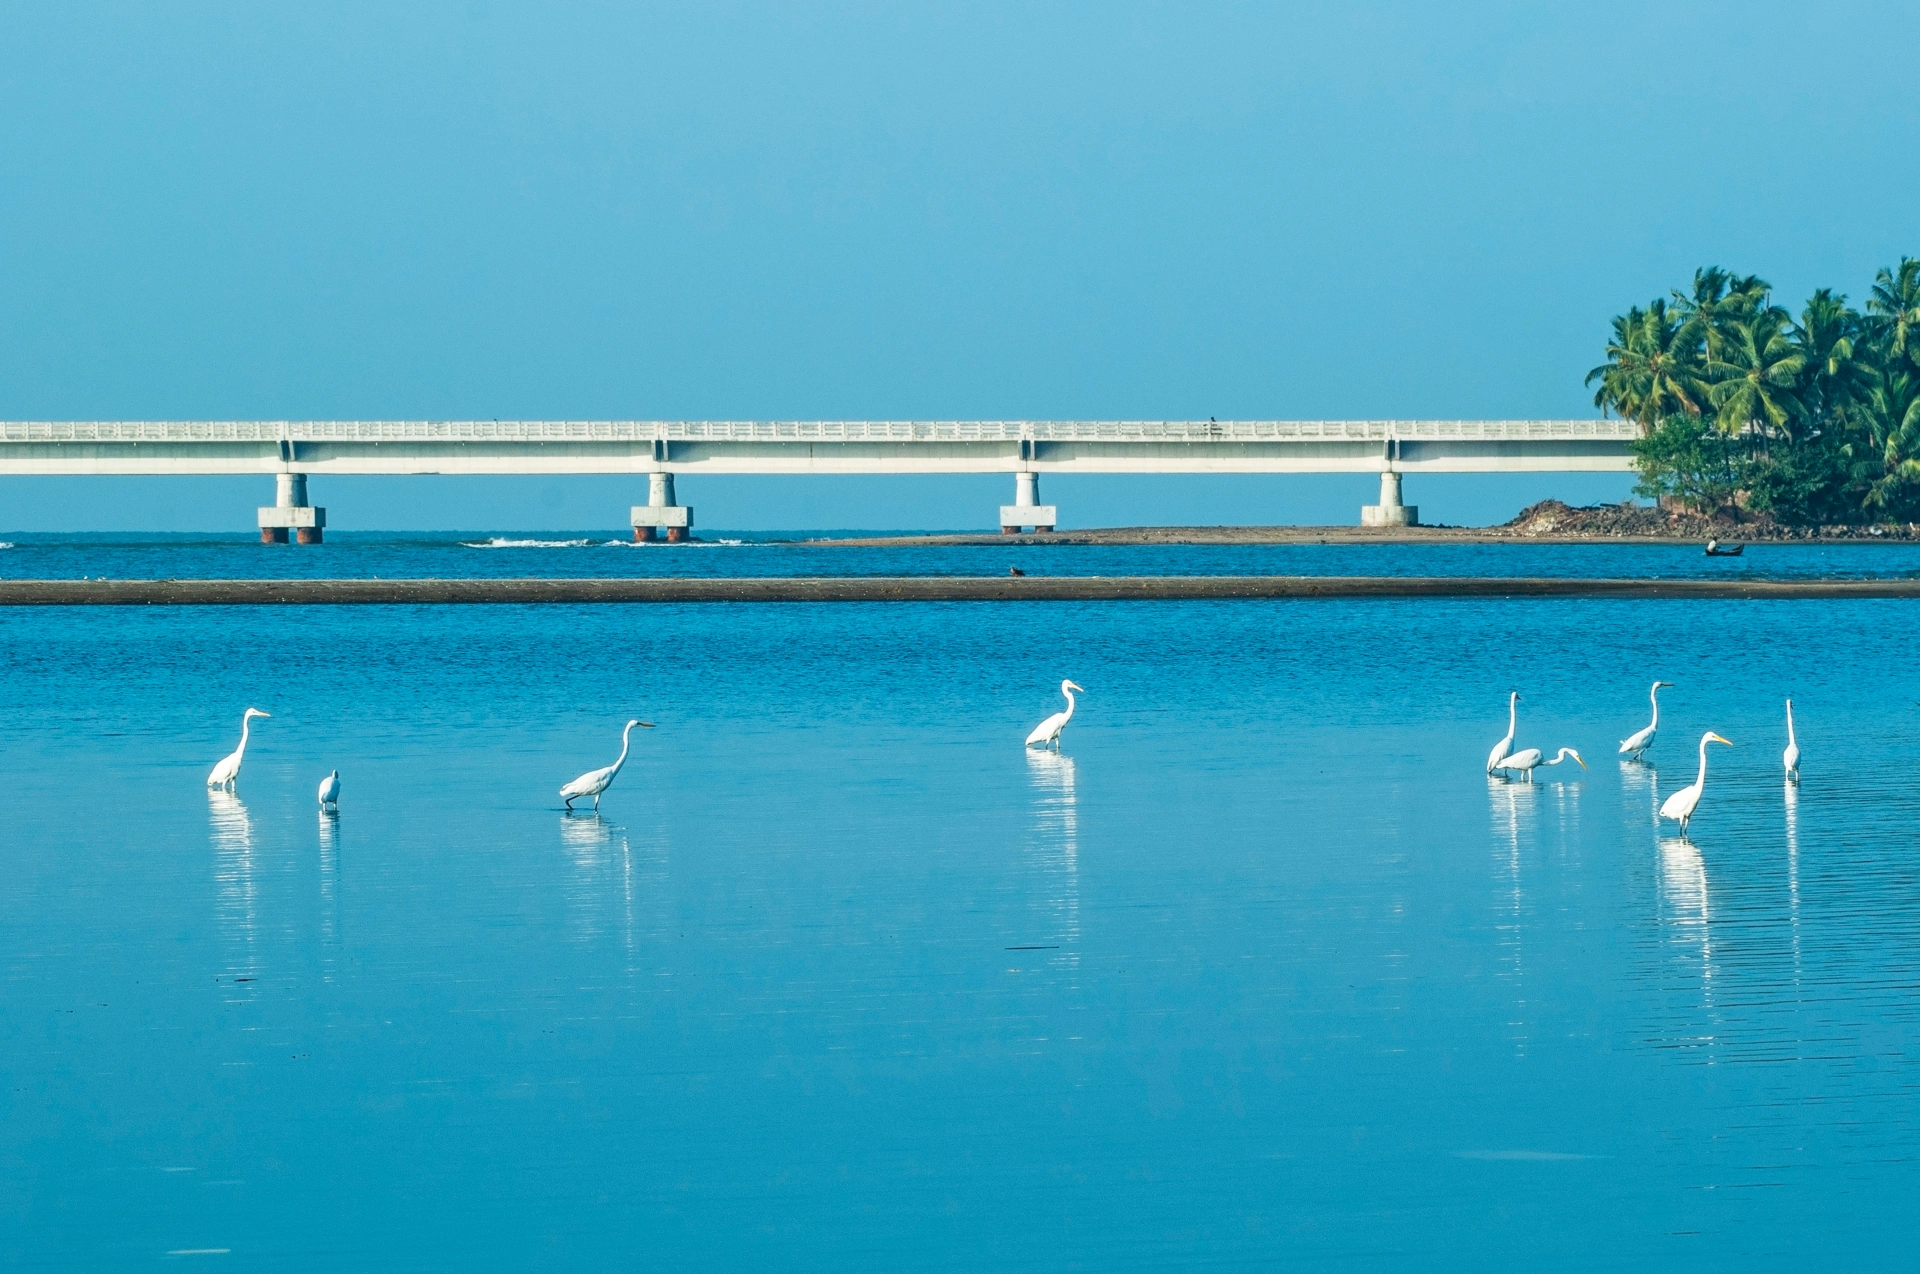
<point>329,840</point>
<point>237,890</point>
<point>1514,808</point>
<point>587,841</point>
<point>615,868</point>
<point>1640,781</point>
<point>1686,917</point>
<point>1056,838</point>
<point>1792,786</point>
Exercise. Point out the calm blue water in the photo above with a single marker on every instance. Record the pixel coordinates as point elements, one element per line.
<point>1262,970</point>
<point>609,554</point>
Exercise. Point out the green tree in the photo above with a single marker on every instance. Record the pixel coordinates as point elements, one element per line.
<point>1717,302</point>
<point>1686,457</point>
<point>1807,420</point>
<point>1756,376</point>
<point>1890,414</point>
<point>1832,379</point>
<point>1648,372</point>
<point>1894,312</point>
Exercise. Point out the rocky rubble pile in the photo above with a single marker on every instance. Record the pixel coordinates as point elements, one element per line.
<point>1555,518</point>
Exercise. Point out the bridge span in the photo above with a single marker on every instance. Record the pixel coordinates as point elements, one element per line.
<point>292,451</point>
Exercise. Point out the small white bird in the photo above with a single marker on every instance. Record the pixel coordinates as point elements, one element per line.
<point>1640,740</point>
<point>1683,803</point>
<point>330,791</point>
<point>1528,761</point>
<point>1792,754</point>
<point>1500,749</point>
<point>1048,731</point>
<point>228,769</point>
<point>594,782</point>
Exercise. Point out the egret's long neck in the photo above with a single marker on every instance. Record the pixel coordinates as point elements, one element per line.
<point>1790,738</point>
<point>1513,714</point>
<point>246,724</point>
<point>1702,780</point>
<point>1654,694</point>
<point>626,737</point>
<point>1069,694</point>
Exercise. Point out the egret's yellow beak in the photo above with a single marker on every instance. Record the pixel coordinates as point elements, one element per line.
<point>1583,764</point>
<point>1717,739</point>
<point>646,725</point>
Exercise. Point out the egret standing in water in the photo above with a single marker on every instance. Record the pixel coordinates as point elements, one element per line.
<point>228,769</point>
<point>1500,749</point>
<point>330,791</point>
<point>1683,803</point>
<point>1528,761</point>
<point>1634,744</point>
<point>594,782</point>
<point>1048,731</point>
<point>1792,755</point>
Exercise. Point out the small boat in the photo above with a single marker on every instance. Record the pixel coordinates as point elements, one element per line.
<point>1716,549</point>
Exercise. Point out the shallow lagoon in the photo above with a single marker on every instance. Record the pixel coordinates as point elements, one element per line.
<point>1262,969</point>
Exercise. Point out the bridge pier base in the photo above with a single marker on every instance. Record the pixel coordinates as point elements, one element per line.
<point>1390,511</point>
<point>291,512</point>
<point>660,514</point>
<point>1026,509</point>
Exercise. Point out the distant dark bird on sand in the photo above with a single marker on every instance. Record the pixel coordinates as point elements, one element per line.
<point>1014,570</point>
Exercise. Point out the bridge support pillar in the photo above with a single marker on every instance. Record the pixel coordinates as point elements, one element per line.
<point>1390,511</point>
<point>291,512</point>
<point>1026,509</point>
<point>660,514</point>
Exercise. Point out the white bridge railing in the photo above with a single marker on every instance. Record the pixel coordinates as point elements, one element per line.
<point>774,431</point>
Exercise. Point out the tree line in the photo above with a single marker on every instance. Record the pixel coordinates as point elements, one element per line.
<point>1745,408</point>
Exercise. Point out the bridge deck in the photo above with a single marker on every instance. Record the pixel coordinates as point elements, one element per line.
<point>811,446</point>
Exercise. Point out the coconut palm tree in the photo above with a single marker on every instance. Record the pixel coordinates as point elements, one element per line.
<point>1893,311</point>
<point>1718,301</point>
<point>1756,375</point>
<point>1649,373</point>
<point>1834,377</point>
<point>1890,411</point>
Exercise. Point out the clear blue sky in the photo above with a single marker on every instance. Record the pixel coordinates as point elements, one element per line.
<point>484,209</point>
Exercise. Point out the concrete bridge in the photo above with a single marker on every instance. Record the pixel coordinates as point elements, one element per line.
<point>292,451</point>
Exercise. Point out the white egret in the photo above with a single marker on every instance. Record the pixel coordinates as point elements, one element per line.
<point>229,767</point>
<point>1640,740</point>
<point>1528,761</point>
<point>1048,731</point>
<point>1792,754</point>
<point>1505,745</point>
<point>330,791</point>
<point>1682,804</point>
<point>594,782</point>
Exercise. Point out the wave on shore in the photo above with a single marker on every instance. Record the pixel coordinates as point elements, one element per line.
<point>501,542</point>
